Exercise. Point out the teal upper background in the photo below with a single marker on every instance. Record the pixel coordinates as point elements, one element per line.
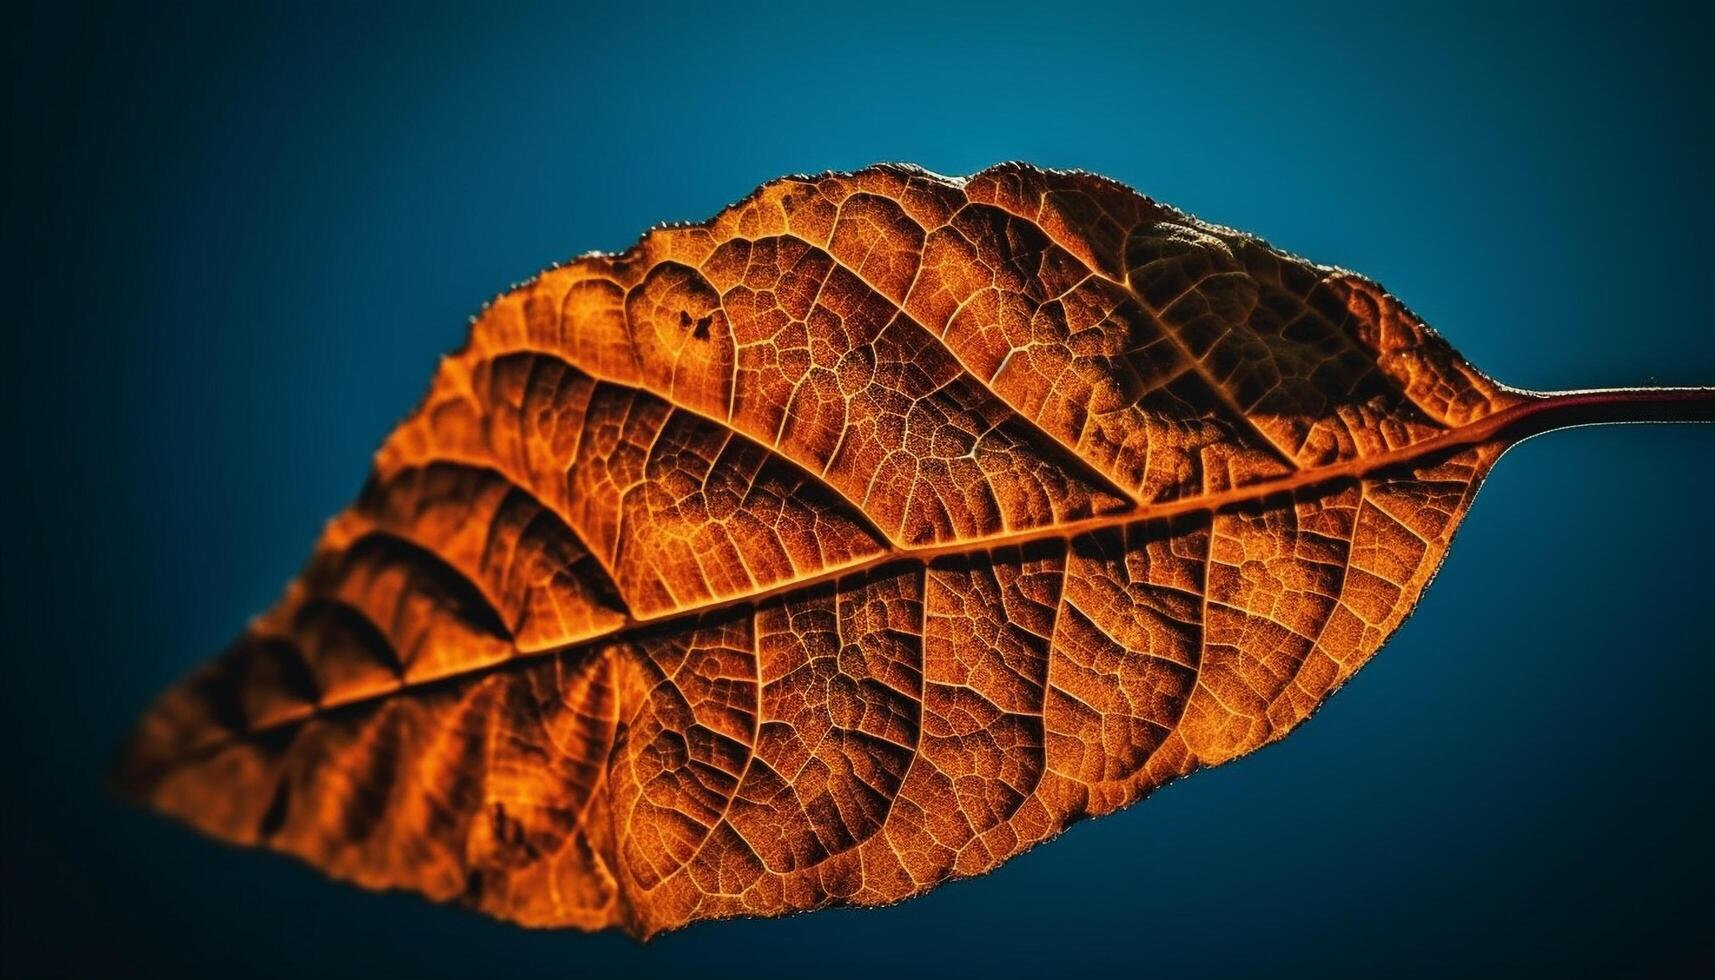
<point>241,240</point>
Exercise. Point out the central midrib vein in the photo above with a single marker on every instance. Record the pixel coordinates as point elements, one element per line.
<point>1483,430</point>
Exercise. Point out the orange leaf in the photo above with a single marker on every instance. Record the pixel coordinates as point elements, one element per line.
<point>860,538</point>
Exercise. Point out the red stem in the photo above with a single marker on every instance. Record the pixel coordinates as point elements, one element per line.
<point>1545,411</point>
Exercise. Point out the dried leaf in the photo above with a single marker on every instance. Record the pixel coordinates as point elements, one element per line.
<point>858,539</point>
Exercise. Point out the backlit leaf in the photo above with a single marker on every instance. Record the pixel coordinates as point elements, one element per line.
<point>858,539</point>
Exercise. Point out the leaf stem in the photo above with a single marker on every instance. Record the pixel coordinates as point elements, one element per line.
<point>1546,411</point>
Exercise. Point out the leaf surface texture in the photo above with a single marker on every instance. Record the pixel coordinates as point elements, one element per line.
<point>855,540</point>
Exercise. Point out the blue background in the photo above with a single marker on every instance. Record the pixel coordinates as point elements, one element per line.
<point>243,239</point>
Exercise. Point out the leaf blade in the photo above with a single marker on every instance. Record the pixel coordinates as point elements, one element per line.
<point>857,539</point>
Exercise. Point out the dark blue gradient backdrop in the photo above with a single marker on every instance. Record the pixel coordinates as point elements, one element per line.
<point>239,242</point>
